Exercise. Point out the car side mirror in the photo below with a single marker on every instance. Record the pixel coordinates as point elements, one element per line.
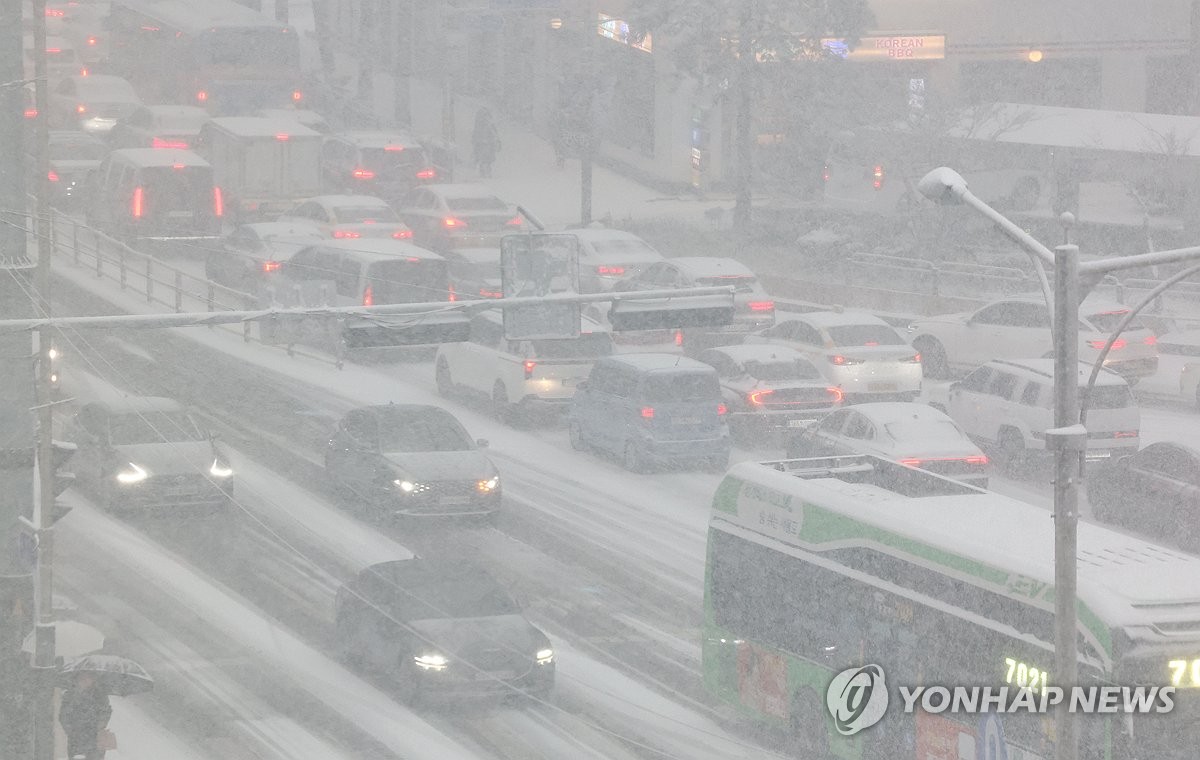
<point>481,443</point>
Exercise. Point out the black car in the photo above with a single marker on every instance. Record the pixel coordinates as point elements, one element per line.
<point>1155,491</point>
<point>441,627</point>
<point>411,459</point>
<point>379,163</point>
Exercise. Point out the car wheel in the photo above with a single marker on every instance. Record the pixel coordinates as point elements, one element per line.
<point>575,433</point>
<point>500,406</point>
<point>1011,451</point>
<point>933,358</point>
<point>441,376</point>
<point>633,459</point>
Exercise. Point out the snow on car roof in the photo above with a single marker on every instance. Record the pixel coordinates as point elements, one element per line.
<point>161,157</point>
<point>262,126</point>
<point>712,266</point>
<point>761,352</point>
<point>655,361</point>
<point>298,228</point>
<point>357,201</point>
<point>888,412</point>
<point>603,233</point>
<point>381,248</point>
<point>378,138</point>
<point>1046,367</point>
<point>841,318</point>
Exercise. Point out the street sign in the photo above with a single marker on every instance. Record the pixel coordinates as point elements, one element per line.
<point>540,264</point>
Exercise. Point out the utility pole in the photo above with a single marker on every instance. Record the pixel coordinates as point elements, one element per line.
<point>12,134</point>
<point>742,128</point>
<point>587,119</point>
<point>405,64</point>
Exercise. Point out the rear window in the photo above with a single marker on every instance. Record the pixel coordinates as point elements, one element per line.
<point>740,283</point>
<point>1108,397</point>
<point>77,151</point>
<point>586,346</point>
<point>408,281</point>
<point>387,163</point>
<point>864,335</point>
<point>681,387</point>
<point>490,203</point>
<point>1108,321</point>
<point>152,427</point>
<point>359,214</point>
<point>924,431</point>
<point>169,190</point>
<point>799,369</point>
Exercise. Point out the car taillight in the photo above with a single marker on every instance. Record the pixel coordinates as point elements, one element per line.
<point>55,13</point>
<point>977,460</point>
<point>1117,345</point>
<point>368,296</point>
<point>137,202</point>
<point>270,266</point>
<point>679,337</point>
<point>218,202</point>
<point>31,113</point>
<point>164,142</point>
<point>283,137</point>
<point>1150,340</point>
<point>361,173</point>
<point>877,177</point>
<point>610,270</point>
<point>80,108</point>
<point>91,41</point>
<point>427,174</point>
<point>911,461</point>
<point>762,306</point>
<point>52,175</point>
<point>346,234</point>
<point>825,173</point>
<point>451,222</point>
<point>1125,434</point>
<point>297,96</point>
<point>722,410</point>
<point>514,222</point>
<point>201,97</point>
<point>529,365</point>
<point>452,293</point>
<point>914,359</point>
<point>838,395</point>
<point>844,361</point>
<point>757,397</point>
<point>489,293</point>
<point>647,412</point>
<point>402,234</point>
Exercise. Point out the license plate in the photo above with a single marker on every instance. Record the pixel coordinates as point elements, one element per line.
<point>881,387</point>
<point>686,421</point>
<point>797,423</point>
<point>180,214</point>
<point>454,501</point>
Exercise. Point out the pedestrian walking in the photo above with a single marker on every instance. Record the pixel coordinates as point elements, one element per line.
<point>84,715</point>
<point>485,141</point>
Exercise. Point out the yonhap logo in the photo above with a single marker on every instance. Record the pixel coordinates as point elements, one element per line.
<point>857,698</point>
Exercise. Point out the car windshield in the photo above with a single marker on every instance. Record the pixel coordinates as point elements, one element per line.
<point>681,387</point>
<point>359,214</point>
<point>468,597</point>
<point>486,203</point>
<point>774,370</point>
<point>152,427</point>
<point>423,431</point>
<point>740,283</point>
<point>1108,397</point>
<point>591,345</point>
<point>924,431</point>
<point>864,335</point>
<point>80,150</point>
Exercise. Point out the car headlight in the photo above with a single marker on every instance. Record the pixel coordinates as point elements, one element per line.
<point>220,469</point>
<point>489,485</point>
<point>52,353</point>
<point>431,661</point>
<point>544,656</point>
<point>133,474</point>
<point>407,486</point>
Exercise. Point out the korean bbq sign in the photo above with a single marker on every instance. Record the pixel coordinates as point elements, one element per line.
<point>903,47</point>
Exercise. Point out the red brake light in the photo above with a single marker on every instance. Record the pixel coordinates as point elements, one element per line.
<point>825,173</point>
<point>1125,434</point>
<point>297,96</point>
<point>218,202</point>
<point>489,293</point>
<point>427,174</point>
<point>647,412</point>
<point>451,222</point>
<point>843,361</point>
<point>1150,340</point>
<point>163,142</point>
<point>201,96</point>
<point>270,266</point>
<point>91,41</point>
<point>52,175</point>
<point>81,108</point>
<point>514,222</point>
<point>393,148</point>
<point>911,462</point>
<point>31,113</point>
<point>402,234</point>
<point>52,51</point>
<point>679,337</point>
<point>453,293</point>
<point>914,359</point>
<point>368,297</point>
<point>361,173</point>
<point>977,460</point>
<point>346,234</point>
<point>1117,345</point>
<point>762,306</point>
<point>529,365</point>
<point>137,203</point>
<point>838,395</point>
<point>877,177</point>
<point>722,410</point>
<point>610,270</point>
<point>55,13</point>
<point>282,137</point>
<point>756,397</point>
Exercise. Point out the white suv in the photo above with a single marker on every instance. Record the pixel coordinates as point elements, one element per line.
<point>1007,406</point>
<point>519,376</point>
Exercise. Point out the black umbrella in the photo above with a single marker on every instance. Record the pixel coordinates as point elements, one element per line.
<point>115,675</point>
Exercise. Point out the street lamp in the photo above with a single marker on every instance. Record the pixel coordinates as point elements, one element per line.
<point>1069,437</point>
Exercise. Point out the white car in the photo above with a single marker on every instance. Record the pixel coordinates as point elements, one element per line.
<point>458,216</point>
<point>519,377</point>
<point>93,103</point>
<point>303,116</point>
<point>913,434</point>
<point>160,127</point>
<point>606,256</point>
<point>859,352</point>
<point>1007,405</point>
<point>1016,328</point>
<point>348,217</point>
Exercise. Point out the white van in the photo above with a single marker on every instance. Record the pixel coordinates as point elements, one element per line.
<point>1007,406</point>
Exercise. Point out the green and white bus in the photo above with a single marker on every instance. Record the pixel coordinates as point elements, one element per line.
<point>818,565</point>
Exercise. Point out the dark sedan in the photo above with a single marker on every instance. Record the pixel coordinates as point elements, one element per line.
<point>1155,491</point>
<point>410,459</point>
<point>441,628</point>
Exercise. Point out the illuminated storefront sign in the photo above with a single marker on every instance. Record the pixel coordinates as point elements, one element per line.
<point>902,47</point>
<point>617,30</point>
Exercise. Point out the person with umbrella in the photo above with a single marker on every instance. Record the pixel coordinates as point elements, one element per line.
<point>84,714</point>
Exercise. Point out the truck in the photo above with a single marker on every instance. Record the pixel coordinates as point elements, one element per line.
<point>264,166</point>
